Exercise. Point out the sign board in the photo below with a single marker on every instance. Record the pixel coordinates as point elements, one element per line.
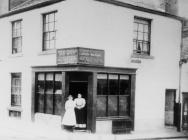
<point>80,55</point>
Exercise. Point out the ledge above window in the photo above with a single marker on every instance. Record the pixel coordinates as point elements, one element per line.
<point>47,52</point>
<point>142,56</point>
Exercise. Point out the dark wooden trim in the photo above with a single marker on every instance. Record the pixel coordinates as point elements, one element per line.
<point>86,68</point>
<point>139,8</point>
<point>91,105</point>
<point>40,5</point>
<point>132,106</point>
<point>33,97</point>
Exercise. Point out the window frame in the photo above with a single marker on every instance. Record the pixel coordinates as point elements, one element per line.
<point>118,95</point>
<point>44,31</point>
<point>17,37</point>
<point>44,93</point>
<point>140,20</point>
<point>15,86</point>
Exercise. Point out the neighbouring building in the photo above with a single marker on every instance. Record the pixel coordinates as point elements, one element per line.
<point>123,58</point>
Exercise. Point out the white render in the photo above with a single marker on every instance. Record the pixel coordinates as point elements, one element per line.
<point>92,24</point>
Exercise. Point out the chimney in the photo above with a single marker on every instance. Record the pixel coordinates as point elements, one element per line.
<point>169,6</point>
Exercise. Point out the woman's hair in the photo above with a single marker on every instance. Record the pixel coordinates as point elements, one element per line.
<point>69,96</point>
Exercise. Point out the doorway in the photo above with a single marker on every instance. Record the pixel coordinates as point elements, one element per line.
<point>170,108</point>
<point>78,83</point>
<point>185,111</point>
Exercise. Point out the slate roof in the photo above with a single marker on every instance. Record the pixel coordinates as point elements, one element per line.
<point>29,3</point>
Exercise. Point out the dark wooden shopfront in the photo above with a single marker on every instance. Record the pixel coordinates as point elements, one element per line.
<point>83,79</point>
<point>109,91</point>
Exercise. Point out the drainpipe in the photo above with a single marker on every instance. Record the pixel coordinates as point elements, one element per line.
<point>181,62</point>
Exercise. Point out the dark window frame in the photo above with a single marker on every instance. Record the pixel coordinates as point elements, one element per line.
<point>138,44</point>
<point>118,96</point>
<point>45,109</point>
<point>48,32</point>
<point>16,36</point>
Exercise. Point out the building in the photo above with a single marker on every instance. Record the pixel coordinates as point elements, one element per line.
<point>124,59</point>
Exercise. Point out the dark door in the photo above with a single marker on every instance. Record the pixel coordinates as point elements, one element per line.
<point>170,112</point>
<point>185,111</point>
<point>78,83</point>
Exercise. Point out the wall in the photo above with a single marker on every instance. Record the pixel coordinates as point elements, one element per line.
<point>92,24</point>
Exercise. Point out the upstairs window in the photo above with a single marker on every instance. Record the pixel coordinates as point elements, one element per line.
<point>142,32</point>
<point>16,36</point>
<point>49,31</point>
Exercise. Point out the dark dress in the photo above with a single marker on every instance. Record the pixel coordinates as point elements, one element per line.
<point>80,113</point>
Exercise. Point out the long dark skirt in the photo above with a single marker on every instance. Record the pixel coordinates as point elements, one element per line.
<point>80,116</point>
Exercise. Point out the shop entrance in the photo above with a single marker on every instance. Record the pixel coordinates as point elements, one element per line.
<point>78,84</point>
<point>185,111</point>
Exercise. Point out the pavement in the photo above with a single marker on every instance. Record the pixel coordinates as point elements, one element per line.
<point>19,130</point>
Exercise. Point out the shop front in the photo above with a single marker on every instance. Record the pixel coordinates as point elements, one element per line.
<point>109,91</point>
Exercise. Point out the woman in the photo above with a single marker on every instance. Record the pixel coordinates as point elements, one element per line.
<point>80,112</point>
<point>69,119</point>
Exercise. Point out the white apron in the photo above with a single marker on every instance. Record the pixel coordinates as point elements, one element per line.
<point>69,117</point>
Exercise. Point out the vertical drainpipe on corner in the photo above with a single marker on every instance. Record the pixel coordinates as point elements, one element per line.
<point>179,125</point>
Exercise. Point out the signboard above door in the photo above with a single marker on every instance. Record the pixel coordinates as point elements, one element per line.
<point>79,55</point>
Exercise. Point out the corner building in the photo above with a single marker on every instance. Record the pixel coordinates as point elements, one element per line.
<point>124,59</point>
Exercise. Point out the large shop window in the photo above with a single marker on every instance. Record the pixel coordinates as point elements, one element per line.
<point>113,95</point>
<point>16,89</point>
<point>48,93</point>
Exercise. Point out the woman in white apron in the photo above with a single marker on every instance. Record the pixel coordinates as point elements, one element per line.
<point>69,118</point>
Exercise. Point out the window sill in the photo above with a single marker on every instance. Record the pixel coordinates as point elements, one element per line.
<point>48,52</point>
<point>142,56</point>
<point>15,108</point>
<point>112,118</point>
<point>16,55</point>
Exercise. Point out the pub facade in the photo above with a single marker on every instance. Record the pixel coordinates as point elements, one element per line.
<point>122,58</point>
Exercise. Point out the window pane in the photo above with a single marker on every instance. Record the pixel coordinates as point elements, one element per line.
<point>101,106</point>
<point>145,47</point>
<point>52,35</point>
<point>124,85</point>
<point>49,93</point>
<point>146,37</point>
<point>140,27</point>
<point>102,84</point>
<point>58,94</point>
<point>113,84</point>
<point>112,106</point>
<point>16,89</point>
<point>40,93</point>
<point>124,105</point>
<point>146,28</point>
<point>140,36</point>
<point>51,26</point>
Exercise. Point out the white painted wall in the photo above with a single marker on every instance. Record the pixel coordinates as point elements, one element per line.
<point>92,24</point>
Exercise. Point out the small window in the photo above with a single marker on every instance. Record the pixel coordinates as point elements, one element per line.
<point>16,89</point>
<point>16,36</point>
<point>141,40</point>
<point>49,31</point>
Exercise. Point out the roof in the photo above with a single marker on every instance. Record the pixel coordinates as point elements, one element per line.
<point>34,4</point>
<point>29,3</point>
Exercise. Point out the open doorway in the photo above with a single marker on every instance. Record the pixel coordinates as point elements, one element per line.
<point>78,84</point>
<point>170,108</point>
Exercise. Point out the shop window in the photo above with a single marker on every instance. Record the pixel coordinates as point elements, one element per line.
<point>16,89</point>
<point>113,95</point>
<point>49,31</point>
<point>141,40</point>
<point>48,93</point>
<point>16,36</point>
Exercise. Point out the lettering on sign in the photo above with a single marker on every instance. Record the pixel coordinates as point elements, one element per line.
<point>80,56</point>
